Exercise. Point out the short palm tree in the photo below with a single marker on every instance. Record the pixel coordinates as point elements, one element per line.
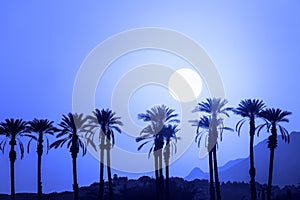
<point>272,119</point>
<point>13,129</point>
<point>70,131</point>
<point>107,122</point>
<point>170,137</point>
<point>250,109</point>
<point>42,127</point>
<point>158,116</point>
<point>216,109</point>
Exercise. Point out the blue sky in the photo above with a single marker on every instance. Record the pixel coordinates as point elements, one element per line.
<point>255,47</point>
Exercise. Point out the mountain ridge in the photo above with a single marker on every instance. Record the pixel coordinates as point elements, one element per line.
<point>237,170</point>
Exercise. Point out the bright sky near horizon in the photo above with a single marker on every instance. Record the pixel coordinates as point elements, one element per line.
<point>255,47</point>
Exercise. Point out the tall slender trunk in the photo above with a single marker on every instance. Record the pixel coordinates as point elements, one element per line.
<point>101,185</point>
<point>109,170</point>
<point>75,183</point>
<point>270,174</point>
<point>271,145</point>
<point>161,177</point>
<point>167,159</point>
<point>12,158</point>
<point>156,173</point>
<point>39,167</point>
<point>211,176</point>
<point>252,170</point>
<point>216,173</point>
<point>39,176</point>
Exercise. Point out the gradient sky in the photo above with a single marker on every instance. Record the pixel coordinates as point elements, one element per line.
<point>255,47</point>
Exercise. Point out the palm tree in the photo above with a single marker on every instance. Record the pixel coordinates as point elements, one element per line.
<point>204,124</point>
<point>41,127</point>
<point>272,119</point>
<point>149,134</point>
<point>158,116</point>
<point>107,121</point>
<point>249,109</point>
<point>203,128</point>
<point>215,108</point>
<point>70,131</point>
<point>13,129</point>
<point>169,134</point>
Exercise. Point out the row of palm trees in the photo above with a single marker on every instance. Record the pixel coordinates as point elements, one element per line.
<point>77,131</point>
<point>211,123</point>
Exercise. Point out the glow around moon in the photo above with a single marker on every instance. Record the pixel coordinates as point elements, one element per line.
<point>185,85</point>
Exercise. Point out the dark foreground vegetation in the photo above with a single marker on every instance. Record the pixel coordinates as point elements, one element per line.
<point>144,189</point>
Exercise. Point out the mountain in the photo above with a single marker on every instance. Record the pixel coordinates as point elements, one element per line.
<point>196,173</point>
<point>285,171</point>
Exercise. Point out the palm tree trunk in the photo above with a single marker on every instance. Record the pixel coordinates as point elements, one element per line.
<point>161,177</point>
<point>101,185</point>
<point>156,173</point>
<point>39,175</point>
<point>75,183</point>
<point>12,157</point>
<point>270,174</point>
<point>167,158</point>
<point>216,173</point>
<point>109,173</point>
<point>211,177</point>
<point>252,170</point>
<point>272,144</point>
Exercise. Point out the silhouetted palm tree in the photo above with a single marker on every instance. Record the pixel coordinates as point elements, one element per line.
<point>149,134</point>
<point>272,119</point>
<point>204,124</point>
<point>249,109</point>
<point>13,129</point>
<point>169,134</point>
<point>107,121</point>
<point>41,127</point>
<point>203,128</point>
<point>158,116</point>
<point>215,108</point>
<point>70,132</point>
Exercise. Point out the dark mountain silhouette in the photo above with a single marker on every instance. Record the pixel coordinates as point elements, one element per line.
<point>285,162</point>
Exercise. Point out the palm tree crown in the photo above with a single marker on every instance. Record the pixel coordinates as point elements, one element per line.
<point>12,129</point>
<point>169,133</point>
<point>158,116</point>
<point>71,127</point>
<point>248,109</point>
<point>213,106</point>
<point>203,127</point>
<point>272,118</point>
<point>213,123</point>
<point>41,127</point>
<point>107,121</point>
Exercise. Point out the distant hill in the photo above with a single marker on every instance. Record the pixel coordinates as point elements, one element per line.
<point>196,173</point>
<point>286,164</point>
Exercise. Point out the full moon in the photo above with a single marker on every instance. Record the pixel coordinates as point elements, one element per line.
<point>185,85</point>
